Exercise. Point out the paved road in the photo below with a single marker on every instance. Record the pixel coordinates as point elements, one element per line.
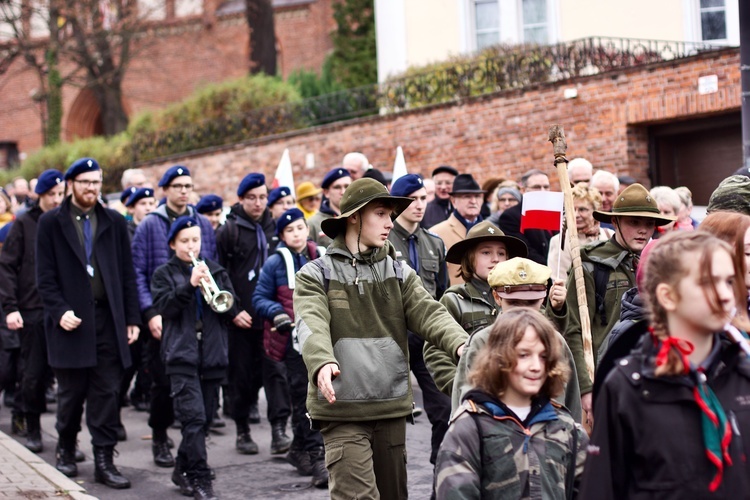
<point>237,476</point>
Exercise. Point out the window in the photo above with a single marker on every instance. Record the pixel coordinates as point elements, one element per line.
<point>713,19</point>
<point>535,21</point>
<point>487,23</point>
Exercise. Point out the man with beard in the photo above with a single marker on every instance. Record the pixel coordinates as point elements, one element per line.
<point>151,250</point>
<point>86,281</point>
<point>22,305</point>
<point>244,243</point>
<point>440,208</point>
<point>334,184</point>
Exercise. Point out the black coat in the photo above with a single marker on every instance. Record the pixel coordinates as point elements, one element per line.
<point>64,284</point>
<point>175,299</point>
<point>18,265</point>
<point>536,240</point>
<point>647,442</point>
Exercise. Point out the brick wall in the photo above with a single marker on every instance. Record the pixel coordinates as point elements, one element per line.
<point>501,135</point>
<point>170,63</point>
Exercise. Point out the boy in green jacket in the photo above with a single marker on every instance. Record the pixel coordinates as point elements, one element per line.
<point>354,307</point>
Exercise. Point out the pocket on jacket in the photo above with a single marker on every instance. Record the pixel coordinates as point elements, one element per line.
<point>334,453</point>
<point>499,463</point>
<point>371,369</point>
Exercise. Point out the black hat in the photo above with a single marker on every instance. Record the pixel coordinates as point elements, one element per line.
<point>374,173</point>
<point>445,169</point>
<point>465,183</point>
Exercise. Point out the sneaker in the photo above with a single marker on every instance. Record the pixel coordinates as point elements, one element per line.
<point>300,459</point>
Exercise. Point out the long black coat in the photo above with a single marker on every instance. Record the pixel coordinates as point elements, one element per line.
<point>536,240</point>
<point>63,284</point>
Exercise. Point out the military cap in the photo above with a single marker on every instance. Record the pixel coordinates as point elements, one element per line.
<point>138,195</point>
<point>277,194</point>
<point>520,278</point>
<point>80,166</point>
<point>172,173</point>
<point>251,181</point>
<point>634,201</point>
<point>334,175</point>
<point>406,185</point>
<point>291,215</point>
<point>209,203</point>
<point>181,223</point>
<point>47,180</point>
<point>480,233</point>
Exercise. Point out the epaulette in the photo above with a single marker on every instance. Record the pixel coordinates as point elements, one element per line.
<point>630,369</point>
<point>433,234</point>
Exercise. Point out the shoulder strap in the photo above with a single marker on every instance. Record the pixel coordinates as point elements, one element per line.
<point>325,270</point>
<point>601,276</point>
<point>289,262</point>
<point>398,268</point>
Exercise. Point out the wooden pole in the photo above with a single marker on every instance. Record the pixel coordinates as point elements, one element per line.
<point>560,147</point>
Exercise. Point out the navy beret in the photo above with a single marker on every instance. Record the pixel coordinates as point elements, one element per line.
<point>126,194</point>
<point>251,181</point>
<point>209,203</point>
<point>81,166</point>
<point>287,218</point>
<point>278,193</point>
<point>139,194</point>
<point>334,175</point>
<point>47,180</point>
<point>406,185</point>
<point>171,173</point>
<point>181,223</point>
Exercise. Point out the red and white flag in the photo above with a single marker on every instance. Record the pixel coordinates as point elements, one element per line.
<point>284,176</point>
<point>542,210</point>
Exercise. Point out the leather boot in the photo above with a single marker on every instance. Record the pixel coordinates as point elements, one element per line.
<point>280,442</point>
<point>18,424</point>
<point>162,456</point>
<point>105,471</point>
<point>319,470</point>
<point>33,433</point>
<point>300,459</point>
<point>203,489</point>
<point>79,456</point>
<point>66,461</point>
<point>181,481</point>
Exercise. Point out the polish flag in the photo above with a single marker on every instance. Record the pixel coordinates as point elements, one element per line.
<point>284,176</point>
<point>542,210</point>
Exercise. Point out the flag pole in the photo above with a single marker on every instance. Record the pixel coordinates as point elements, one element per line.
<point>560,147</point>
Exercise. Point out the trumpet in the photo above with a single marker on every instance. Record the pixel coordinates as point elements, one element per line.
<point>219,301</point>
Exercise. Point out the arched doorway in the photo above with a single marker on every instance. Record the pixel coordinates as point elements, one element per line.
<point>84,117</point>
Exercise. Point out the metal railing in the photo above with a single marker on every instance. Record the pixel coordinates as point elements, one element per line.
<point>493,70</point>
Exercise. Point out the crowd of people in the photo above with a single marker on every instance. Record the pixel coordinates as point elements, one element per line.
<point>330,298</point>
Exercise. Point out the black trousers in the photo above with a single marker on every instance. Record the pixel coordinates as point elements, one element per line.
<point>98,387</point>
<point>245,374</point>
<point>34,361</point>
<point>305,438</point>
<point>436,404</point>
<point>162,410</point>
<point>137,369</point>
<point>276,385</point>
<point>194,404</point>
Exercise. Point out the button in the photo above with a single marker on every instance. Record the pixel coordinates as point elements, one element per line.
<point>646,394</point>
<point>636,376</point>
<point>623,362</point>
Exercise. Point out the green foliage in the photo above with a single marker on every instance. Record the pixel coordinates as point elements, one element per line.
<point>354,59</point>
<point>309,84</point>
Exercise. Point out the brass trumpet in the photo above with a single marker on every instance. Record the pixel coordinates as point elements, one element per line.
<point>219,301</point>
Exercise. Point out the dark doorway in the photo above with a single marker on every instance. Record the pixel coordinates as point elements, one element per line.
<point>698,153</point>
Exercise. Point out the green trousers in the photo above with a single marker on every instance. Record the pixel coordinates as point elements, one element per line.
<point>366,460</point>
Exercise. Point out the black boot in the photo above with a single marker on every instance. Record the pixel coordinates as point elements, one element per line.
<point>18,424</point>
<point>319,471</point>
<point>254,415</point>
<point>245,444</point>
<point>300,459</point>
<point>66,461</point>
<point>181,481</point>
<point>105,471</point>
<point>280,442</point>
<point>33,433</point>
<point>79,456</point>
<point>162,456</point>
<point>203,489</point>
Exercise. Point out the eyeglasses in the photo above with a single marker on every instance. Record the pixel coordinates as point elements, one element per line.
<point>180,187</point>
<point>88,183</point>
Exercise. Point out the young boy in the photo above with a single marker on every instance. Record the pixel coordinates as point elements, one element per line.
<point>272,301</point>
<point>193,348</point>
<point>353,309</point>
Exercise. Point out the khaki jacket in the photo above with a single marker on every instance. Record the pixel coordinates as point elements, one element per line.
<point>451,231</point>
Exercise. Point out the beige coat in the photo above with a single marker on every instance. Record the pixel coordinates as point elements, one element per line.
<point>451,231</point>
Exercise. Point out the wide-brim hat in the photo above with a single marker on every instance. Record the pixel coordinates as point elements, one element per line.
<point>306,190</point>
<point>486,231</point>
<point>635,201</point>
<point>465,184</point>
<point>357,195</point>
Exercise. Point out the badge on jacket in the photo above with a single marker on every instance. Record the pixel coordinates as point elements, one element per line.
<point>251,275</point>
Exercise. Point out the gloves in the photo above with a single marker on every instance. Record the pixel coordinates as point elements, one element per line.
<point>283,323</point>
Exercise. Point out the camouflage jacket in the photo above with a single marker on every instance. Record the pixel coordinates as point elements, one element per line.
<point>487,453</point>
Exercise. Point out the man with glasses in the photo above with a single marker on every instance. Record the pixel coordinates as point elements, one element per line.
<point>244,244</point>
<point>151,250</point>
<point>537,240</point>
<point>86,282</point>
<point>334,184</point>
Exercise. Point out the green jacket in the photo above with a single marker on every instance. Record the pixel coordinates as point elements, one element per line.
<point>355,312</point>
<point>472,305</point>
<point>619,266</point>
<point>489,454</point>
<point>571,397</point>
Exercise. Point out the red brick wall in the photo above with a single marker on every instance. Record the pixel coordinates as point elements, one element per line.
<point>501,135</point>
<point>172,62</point>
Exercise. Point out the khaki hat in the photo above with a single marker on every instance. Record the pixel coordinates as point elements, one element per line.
<point>307,190</point>
<point>485,231</point>
<point>357,195</point>
<point>520,278</point>
<point>634,201</point>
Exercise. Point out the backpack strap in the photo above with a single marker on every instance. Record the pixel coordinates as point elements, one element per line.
<point>289,262</point>
<point>601,276</point>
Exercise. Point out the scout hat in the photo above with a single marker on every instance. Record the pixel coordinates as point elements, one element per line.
<point>172,173</point>
<point>138,195</point>
<point>80,166</point>
<point>47,180</point>
<point>634,201</point>
<point>181,223</point>
<point>519,278</point>
<point>485,231</point>
<point>209,203</point>
<point>357,195</point>
<point>277,194</point>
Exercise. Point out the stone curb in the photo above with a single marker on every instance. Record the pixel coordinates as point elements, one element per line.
<point>59,482</point>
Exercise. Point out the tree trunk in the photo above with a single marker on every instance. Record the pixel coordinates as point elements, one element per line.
<point>114,119</point>
<point>262,36</point>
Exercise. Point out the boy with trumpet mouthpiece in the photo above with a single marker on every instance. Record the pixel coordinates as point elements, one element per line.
<point>193,348</point>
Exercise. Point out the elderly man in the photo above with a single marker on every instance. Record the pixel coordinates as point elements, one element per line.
<point>580,170</point>
<point>334,184</point>
<point>537,240</point>
<point>608,186</point>
<point>466,198</point>
<point>357,164</point>
<point>440,208</point>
